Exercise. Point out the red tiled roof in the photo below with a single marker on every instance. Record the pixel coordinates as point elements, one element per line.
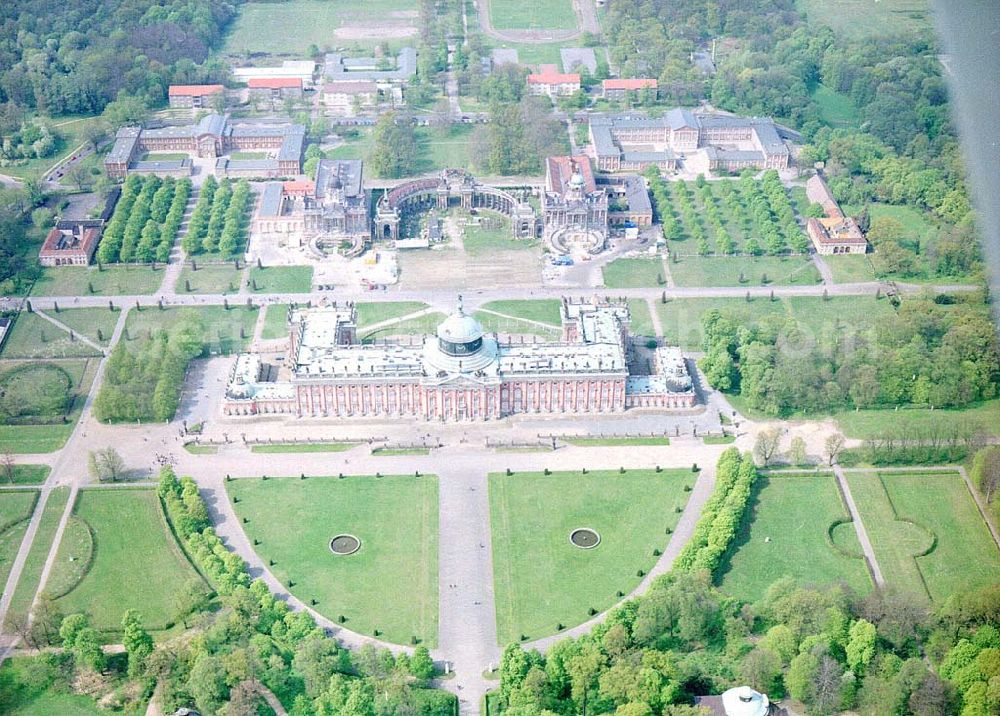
<point>554,78</point>
<point>559,170</point>
<point>193,90</point>
<point>60,243</point>
<point>300,186</point>
<point>631,84</point>
<point>274,82</point>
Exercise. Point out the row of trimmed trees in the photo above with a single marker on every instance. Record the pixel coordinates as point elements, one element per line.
<point>220,219</point>
<point>146,220</point>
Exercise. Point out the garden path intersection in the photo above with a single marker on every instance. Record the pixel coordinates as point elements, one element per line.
<point>467,629</point>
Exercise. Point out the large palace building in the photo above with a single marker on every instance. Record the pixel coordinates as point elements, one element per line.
<point>460,373</point>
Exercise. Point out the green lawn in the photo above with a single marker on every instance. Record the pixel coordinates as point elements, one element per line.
<point>291,27</point>
<point>303,447</point>
<point>544,311</point>
<point>196,449</point>
<point>437,150</point>
<point>168,156</point>
<point>69,130</point>
<point>541,579</point>
<point>863,18</point>
<point>281,279</point>
<point>222,328</point>
<point>400,452</point>
<point>275,322</point>
<point>16,507</point>
<point>493,323</point>
<point>796,515</point>
<point>874,423</point>
<point>24,696</point>
<point>635,273</point>
<point>354,147</point>
<point>126,523</point>
<point>642,323</point>
<point>88,321</point>
<point>928,535</point>
<point>90,280</point>
<point>538,53</point>
<point>49,396</point>
<point>31,573</point>
<point>544,15</point>
<point>29,474</point>
<point>482,241</point>
<point>249,155</point>
<point>836,109</point>
<point>850,269</point>
<point>390,584</point>
<point>422,325</point>
<point>370,313</point>
<point>727,270</point>
<point>35,337</point>
<point>210,278</point>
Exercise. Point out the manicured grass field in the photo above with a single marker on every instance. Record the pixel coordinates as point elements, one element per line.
<point>420,325</point>
<point>45,426</point>
<point>786,534</point>
<point>874,423</point>
<point>617,441</point>
<point>28,474</point>
<point>928,535</point>
<point>863,18</point>
<point>481,241</point>
<point>196,449</point>
<point>390,584</point>
<point>281,279</point>
<point>400,452</point>
<point>726,271</point>
<point>642,323</point>
<point>635,273</point>
<point>543,311</point>
<point>442,151</point>
<point>35,337</point>
<point>370,313</point>
<point>88,321</point>
<point>27,585</point>
<point>221,327</point>
<point>109,281</point>
<point>291,27</point>
<point>836,109</point>
<point>275,322</point>
<point>126,523</point>
<point>15,510</point>
<point>493,323</point>
<point>303,447</point>
<point>209,278</point>
<point>23,696</point>
<point>541,578</point>
<point>850,269</point>
<point>719,439</point>
<point>544,15</point>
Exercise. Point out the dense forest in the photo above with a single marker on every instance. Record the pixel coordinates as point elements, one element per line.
<point>63,58</point>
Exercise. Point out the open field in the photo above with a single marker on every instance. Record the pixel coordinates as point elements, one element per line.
<point>281,279</point>
<point>493,323</point>
<point>481,241</point>
<point>727,270</point>
<point>836,109</point>
<point>89,280</point>
<point>389,585</point>
<point>35,337</point>
<point>275,321</point>
<point>88,321</point>
<point>16,507</point>
<point>291,27</point>
<point>928,535</point>
<point>27,585</point>
<point>850,269</point>
<point>225,331</point>
<point>544,15</point>
<point>371,313</point>
<point>209,278</point>
<point>642,323</point>
<point>442,150</point>
<point>862,18</point>
<point>49,397</point>
<point>864,424</point>
<point>126,523</point>
<point>541,578</point>
<point>635,273</point>
<point>787,532</point>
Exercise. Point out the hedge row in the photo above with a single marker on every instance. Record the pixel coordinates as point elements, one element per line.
<point>722,514</point>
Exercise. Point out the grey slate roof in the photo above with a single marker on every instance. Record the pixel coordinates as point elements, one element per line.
<point>339,174</point>
<point>573,57</point>
<point>337,67</point>
<point>270,199</point>
<point>161,165</point>
<point>125,141</point>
